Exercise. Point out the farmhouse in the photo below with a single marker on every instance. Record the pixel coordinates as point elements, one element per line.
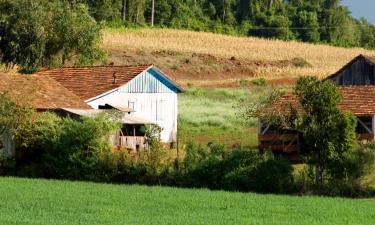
<point>143,92</point>
<point>356,81</point>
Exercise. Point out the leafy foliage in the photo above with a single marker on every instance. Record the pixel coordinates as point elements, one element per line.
<point>47,33</point>
<point>16,120</point>
<point>325,21</point>
<point>71,148</point>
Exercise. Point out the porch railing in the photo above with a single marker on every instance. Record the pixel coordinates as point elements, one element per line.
<point>130,142</point>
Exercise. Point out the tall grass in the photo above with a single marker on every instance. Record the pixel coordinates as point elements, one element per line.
<point>323,58</point>
<point>207,115</point>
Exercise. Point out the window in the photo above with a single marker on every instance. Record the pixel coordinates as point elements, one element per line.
<point>364,125</point>
<point>131,104</point>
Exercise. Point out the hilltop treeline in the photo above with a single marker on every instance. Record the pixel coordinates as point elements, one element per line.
<point>323,21</point>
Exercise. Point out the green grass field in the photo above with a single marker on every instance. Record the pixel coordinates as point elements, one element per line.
<point>39,202</point>
<point>211,115</point>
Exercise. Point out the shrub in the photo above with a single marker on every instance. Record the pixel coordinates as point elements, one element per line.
<point>198,92</point>
<point>259,82</point>
<point>244,83</point>
<point>71,148</point>
<point>300,62</point>
<point>274,176</point>
<point>237,170</point>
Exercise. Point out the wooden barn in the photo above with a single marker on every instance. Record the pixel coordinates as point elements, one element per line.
<point>144,92</point>
<point>356,81</point>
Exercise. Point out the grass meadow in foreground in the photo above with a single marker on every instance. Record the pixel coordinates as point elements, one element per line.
<point>39,202</point>
<point>323,58</point>
<point>212,115</point>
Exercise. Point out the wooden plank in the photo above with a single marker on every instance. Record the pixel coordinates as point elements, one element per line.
<point>275,137</point>
<point>278,148</point>
<point>366,136</point>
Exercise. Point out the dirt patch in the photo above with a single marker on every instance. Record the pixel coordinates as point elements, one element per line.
<point>201,69</point>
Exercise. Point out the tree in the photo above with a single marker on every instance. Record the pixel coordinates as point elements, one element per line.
<point>16,124</point>
<point>41,33</point>
<point>329,133</point>
<point>308,22</point>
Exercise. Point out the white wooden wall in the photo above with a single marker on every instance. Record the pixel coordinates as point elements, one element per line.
<point>160,108</point>
<point>152,97</point>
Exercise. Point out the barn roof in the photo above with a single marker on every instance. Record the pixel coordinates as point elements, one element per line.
<point>90,82</point>
<point>356,99</point>
<point>370,59</point>
<point>39,92</point>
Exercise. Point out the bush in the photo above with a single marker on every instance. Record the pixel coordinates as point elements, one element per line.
<point>274,176</point>
<point>70,149</point>
<point>259,82</point>
<point>238,170</point>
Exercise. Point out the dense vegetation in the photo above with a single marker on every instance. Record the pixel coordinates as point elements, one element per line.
<point>325,21</point>
<point>43,33</point>
<point>329,141</point>
<point>40,202</point>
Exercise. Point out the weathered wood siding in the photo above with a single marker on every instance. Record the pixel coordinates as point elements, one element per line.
<point>152,97</point>
<point>360,72</point>
<point>9,144</point>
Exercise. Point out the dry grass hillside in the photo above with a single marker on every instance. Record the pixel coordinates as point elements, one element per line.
<point>215,60</point>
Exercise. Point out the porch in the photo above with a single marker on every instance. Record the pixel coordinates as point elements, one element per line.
<point>129,142</point>
<point>131,136</point>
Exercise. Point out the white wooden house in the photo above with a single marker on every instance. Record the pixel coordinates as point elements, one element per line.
<point>145,91</point>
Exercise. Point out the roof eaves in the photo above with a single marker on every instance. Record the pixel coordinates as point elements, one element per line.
<point>178,87</point>
<point>345,67</point>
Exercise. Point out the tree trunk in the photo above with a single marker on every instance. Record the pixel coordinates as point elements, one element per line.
<point>224,7</point>
<point>318,175</point>
<point>153,13</point>
<point>123,10</point>
<point>271,4</point>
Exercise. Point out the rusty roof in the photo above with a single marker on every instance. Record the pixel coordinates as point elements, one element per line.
<point>89,82</point>
<point>39,92</point>
<point>356,99</point>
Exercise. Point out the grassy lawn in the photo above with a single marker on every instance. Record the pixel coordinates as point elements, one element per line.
<point>25,201</point>
<point>211,115</point>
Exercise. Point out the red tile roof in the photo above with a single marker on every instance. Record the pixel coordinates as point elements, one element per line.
<point>39,92</point>
<point>89,82</point>
<point>360,100</point>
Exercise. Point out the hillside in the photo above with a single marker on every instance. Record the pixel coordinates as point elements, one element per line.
<point>57,202</point>
<point>216,60</point>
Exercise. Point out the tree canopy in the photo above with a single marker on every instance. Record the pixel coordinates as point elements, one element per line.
<point>38,33</point>
<point>326,21</point>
